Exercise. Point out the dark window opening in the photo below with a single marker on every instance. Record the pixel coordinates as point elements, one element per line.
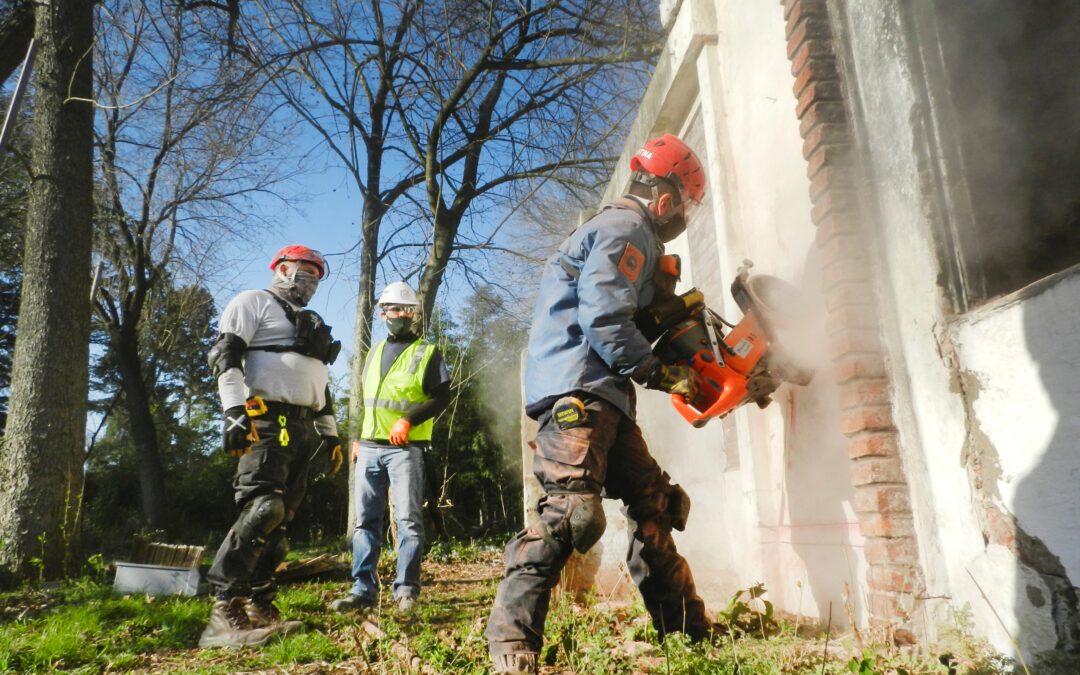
<point>1012,74</point>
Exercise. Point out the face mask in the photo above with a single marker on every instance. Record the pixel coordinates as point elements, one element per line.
<point>298,287</point>
<point>399,325</point>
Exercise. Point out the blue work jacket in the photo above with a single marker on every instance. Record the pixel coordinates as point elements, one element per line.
<point>583,336</point>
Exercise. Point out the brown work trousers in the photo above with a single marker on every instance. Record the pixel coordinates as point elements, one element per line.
<point>608,456</point>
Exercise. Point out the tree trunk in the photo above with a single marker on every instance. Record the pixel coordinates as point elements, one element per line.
<point>446,228</point>
<point>365,312</point>
<point>41,459</point>
<point>143,430</point>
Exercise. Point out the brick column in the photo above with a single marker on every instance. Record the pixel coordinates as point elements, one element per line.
<point>881,491</point>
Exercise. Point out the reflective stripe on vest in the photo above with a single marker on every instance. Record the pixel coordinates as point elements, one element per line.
<point>388,398</point>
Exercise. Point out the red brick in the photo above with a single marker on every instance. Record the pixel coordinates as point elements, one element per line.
<point>876,471</point>
<point>869,418</point>
<point>825,134</point>
<point>833,201</point>
<point>844,270</point>
<point>832,178</point>
<point>806,7</point>
<point>887,606</point>
<point>850,318</point>
<point>897,551</point>
<point>849,294</point>
<point>874,444</point>
<point>1000,528</point>
<point>864,392</point>
<point>815,92</point>
<point>835,224</point>
<point>851,367</point>
<point>811,40</point>
<point>820,111</point>
<point>813,70</point>
<point>891,499</point>
<point>848,343</point>
<point>840,247</point>
<point>895,579</point>
<point>886,525</point>
<point>827,155</point>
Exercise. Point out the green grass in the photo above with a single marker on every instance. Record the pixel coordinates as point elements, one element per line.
<point>83,627</point>
<point>91,627</point>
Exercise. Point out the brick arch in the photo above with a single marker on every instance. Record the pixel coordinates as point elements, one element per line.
<point>882,496</point>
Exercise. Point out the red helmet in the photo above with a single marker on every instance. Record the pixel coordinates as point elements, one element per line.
<point>296,253</point>
<point>669,158</point>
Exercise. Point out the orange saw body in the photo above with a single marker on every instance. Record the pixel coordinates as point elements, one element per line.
<point>737,363</point>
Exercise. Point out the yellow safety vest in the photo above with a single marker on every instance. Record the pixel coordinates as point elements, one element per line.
<point>387,399</point>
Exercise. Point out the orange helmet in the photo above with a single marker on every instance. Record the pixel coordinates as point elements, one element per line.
<point>299,253</point>
<point>670,159</point>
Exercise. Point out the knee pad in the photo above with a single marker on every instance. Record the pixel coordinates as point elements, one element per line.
<point>678,507</point>
<point>664,503</point>
<point>586,519</point>
<point>261,516</point>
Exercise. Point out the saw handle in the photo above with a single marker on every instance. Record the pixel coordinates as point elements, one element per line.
<point>721,390</point>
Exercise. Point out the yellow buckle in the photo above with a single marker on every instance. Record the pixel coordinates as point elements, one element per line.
<point>256,406</point>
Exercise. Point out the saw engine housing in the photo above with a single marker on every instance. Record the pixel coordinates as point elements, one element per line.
<point>737,363</point>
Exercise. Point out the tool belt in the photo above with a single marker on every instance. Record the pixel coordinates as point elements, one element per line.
<point>257,407</point>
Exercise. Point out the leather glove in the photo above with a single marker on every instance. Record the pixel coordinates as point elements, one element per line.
<point>399,433</point>
<point>682,380</point>
<point>337,457</point>
<point>237,432</point>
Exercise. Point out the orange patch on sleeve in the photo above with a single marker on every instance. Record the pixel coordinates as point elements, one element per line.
<point>631,262</point>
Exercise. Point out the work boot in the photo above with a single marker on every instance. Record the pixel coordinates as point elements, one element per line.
<point>406,604</point>
<point>262,613</point>
<point>517,663</point>
<point>230,627</point>
<point>713,633</point>
<point>351,602</point>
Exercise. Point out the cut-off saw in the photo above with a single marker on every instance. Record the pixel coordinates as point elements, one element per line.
<point>737,362</point>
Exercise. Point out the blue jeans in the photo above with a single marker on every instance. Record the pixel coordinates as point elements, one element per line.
<point>401,469</point>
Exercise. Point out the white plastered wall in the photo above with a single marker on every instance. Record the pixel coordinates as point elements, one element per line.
<point>998,385</point>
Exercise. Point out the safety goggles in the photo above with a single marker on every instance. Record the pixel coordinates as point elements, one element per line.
<point>397,309</point>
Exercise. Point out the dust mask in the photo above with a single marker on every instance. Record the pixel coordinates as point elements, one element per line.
<point>399,325</point>
<point>297,286</point>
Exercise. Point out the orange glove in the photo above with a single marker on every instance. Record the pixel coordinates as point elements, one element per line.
<point>333,443</point>
<point>399,433</point>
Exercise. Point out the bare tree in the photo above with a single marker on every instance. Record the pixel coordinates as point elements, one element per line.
<point>471,100</point>
<point>524,93</point>
<point>184,140</point>
<point>40,460</point>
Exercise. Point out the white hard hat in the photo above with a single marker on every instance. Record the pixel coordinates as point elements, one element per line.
<point>398,293</point>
